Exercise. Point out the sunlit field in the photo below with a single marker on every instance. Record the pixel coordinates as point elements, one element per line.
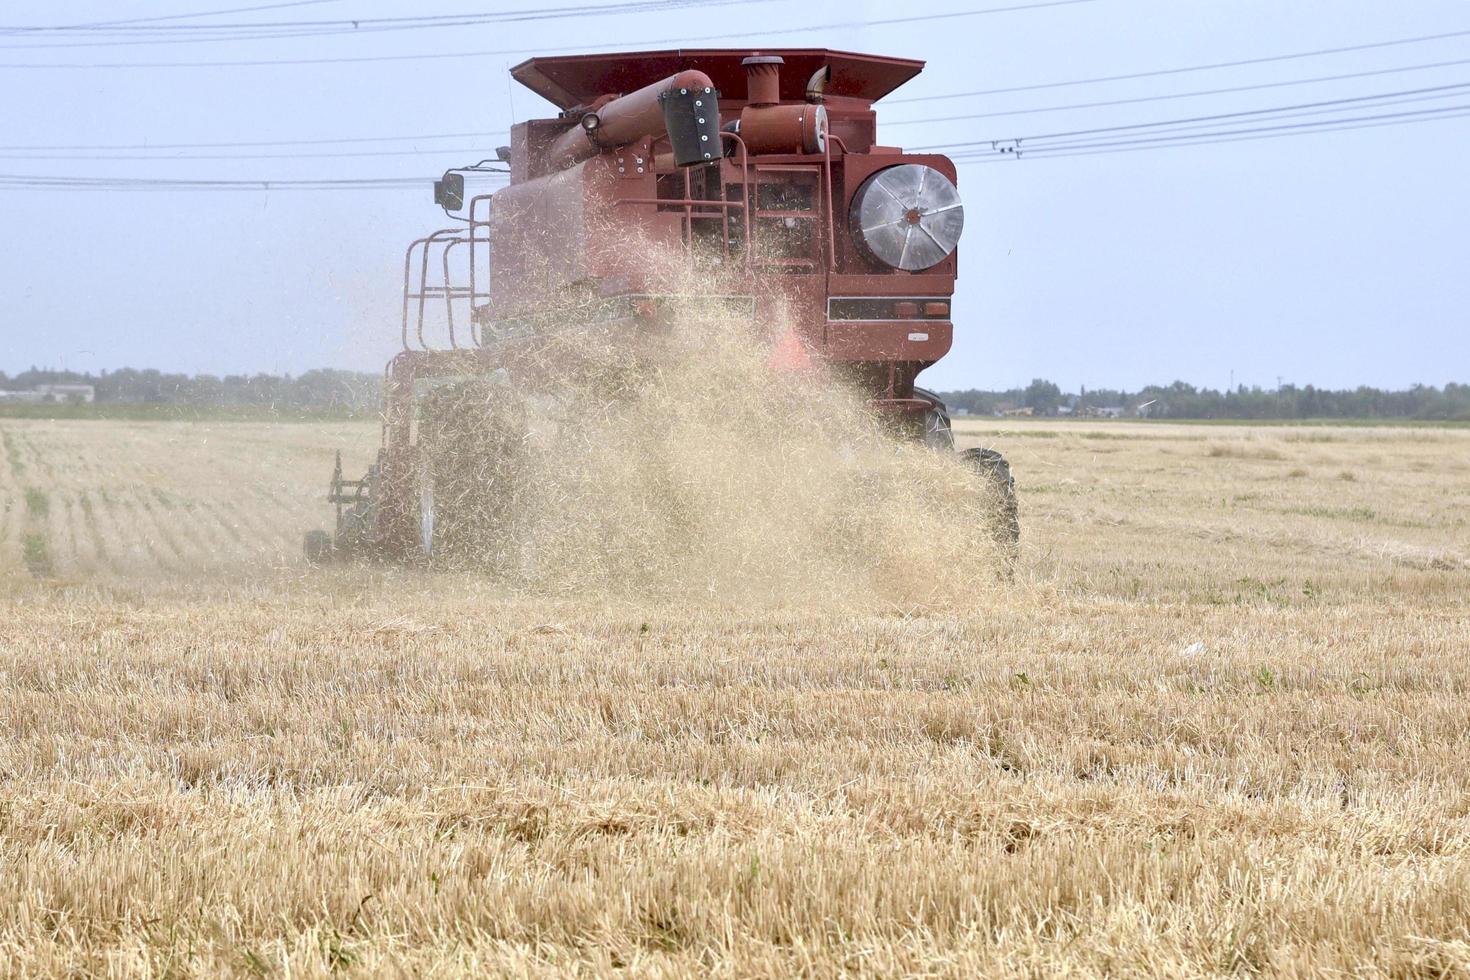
<point>1217,722</point>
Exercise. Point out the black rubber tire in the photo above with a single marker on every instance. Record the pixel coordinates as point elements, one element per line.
<point>935,430</point>
<point>993,469</point>
<point>938,434</point>
<point>317,546</point>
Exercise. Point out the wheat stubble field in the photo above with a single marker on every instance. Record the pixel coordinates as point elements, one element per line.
<point>1218,724</point>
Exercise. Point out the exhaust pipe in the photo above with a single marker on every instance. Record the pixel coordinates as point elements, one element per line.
<point>766,126</point>
<point>816,86</point>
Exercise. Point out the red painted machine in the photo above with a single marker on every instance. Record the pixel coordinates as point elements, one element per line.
<point>765,164</point>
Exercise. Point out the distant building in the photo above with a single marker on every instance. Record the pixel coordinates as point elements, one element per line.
<point>53,394</point>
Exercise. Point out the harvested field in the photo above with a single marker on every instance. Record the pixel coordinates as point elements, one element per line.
<point>1219,723</point>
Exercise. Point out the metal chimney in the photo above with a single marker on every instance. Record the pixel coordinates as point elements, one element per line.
<point>763,79</point>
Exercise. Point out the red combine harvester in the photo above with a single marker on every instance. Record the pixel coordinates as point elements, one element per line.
<point>764,163</point>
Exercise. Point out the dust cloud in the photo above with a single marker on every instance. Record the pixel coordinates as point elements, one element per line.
<point>685,463</point>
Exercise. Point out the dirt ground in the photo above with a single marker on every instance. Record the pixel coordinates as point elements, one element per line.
<point>1218,723</point>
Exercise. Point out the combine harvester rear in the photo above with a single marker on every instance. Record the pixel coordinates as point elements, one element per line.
<point>764,164</point>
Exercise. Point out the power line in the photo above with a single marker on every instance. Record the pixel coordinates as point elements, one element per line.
<point>293,29</point>
<point>1190,68</point>
<point>1196,119</point>
<point>162,17</point>
<point>1232,135</point>
<point>43,181</point>
<point>680,40</point>
<point>329,141</point>
<point>1201,129</point>
<point>239,156</point>
<point>1334,105</point>
<point>359,23</point>
<point>1200,139</point>
<point>254,143</point>
<point>1459,62</point>
<point>260,143</point>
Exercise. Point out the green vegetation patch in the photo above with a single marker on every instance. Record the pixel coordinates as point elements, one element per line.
<point>36,554</point>
<point>37,503</point>
<point>17,465</point>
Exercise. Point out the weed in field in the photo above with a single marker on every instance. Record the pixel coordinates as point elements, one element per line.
<point>1243,451</point>
<point>35,554</point>
<point>12,454</point>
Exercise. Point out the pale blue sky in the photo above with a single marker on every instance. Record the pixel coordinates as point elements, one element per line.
<point>1334,259</point>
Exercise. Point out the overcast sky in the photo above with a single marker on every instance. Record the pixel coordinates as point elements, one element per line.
<point>1336,258</point>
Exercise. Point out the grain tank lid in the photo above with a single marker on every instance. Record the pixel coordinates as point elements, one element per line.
<point>571,80</point>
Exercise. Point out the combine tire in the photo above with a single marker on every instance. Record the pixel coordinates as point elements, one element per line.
<point>938,434</point>
<point>936,430</point>
<point>471,438</point>
<point>995,473</point>
<point>317,547</point>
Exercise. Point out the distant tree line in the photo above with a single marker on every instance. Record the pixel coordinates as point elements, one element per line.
<point>357,392</point>
<point>348,391</point>
<point>1185,401</point>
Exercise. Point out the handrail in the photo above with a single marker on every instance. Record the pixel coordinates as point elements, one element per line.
<point>448,296</point>
<point>443,235</point>
<point>474,223</point>
<point>745,189</point>
<point>434,238</point>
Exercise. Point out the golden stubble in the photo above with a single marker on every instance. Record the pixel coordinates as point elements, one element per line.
<point>1215,725</point>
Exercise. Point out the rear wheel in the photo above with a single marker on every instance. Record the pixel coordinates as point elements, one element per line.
<point>991,467</point>
<point>471,441</point>
<point>995,473</point>
<point>317,546</point>
<point>937,431</point>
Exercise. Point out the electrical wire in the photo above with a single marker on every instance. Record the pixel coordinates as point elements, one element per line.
<point>162,17</point>
<point>1333,105</point>
<point>1216,117</point>
<point>679,40</point>
<point>239,156</point>
<point>253,143</point>
<point>1326,126</point>
<point>289,29</point>
<point>415,20</point>
<point>1320,52</point>
<point>1459,62</point>
<point>342,140</point>
<point>1195,128</point>
<point>1224,135</point>
<point>44,182</point>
